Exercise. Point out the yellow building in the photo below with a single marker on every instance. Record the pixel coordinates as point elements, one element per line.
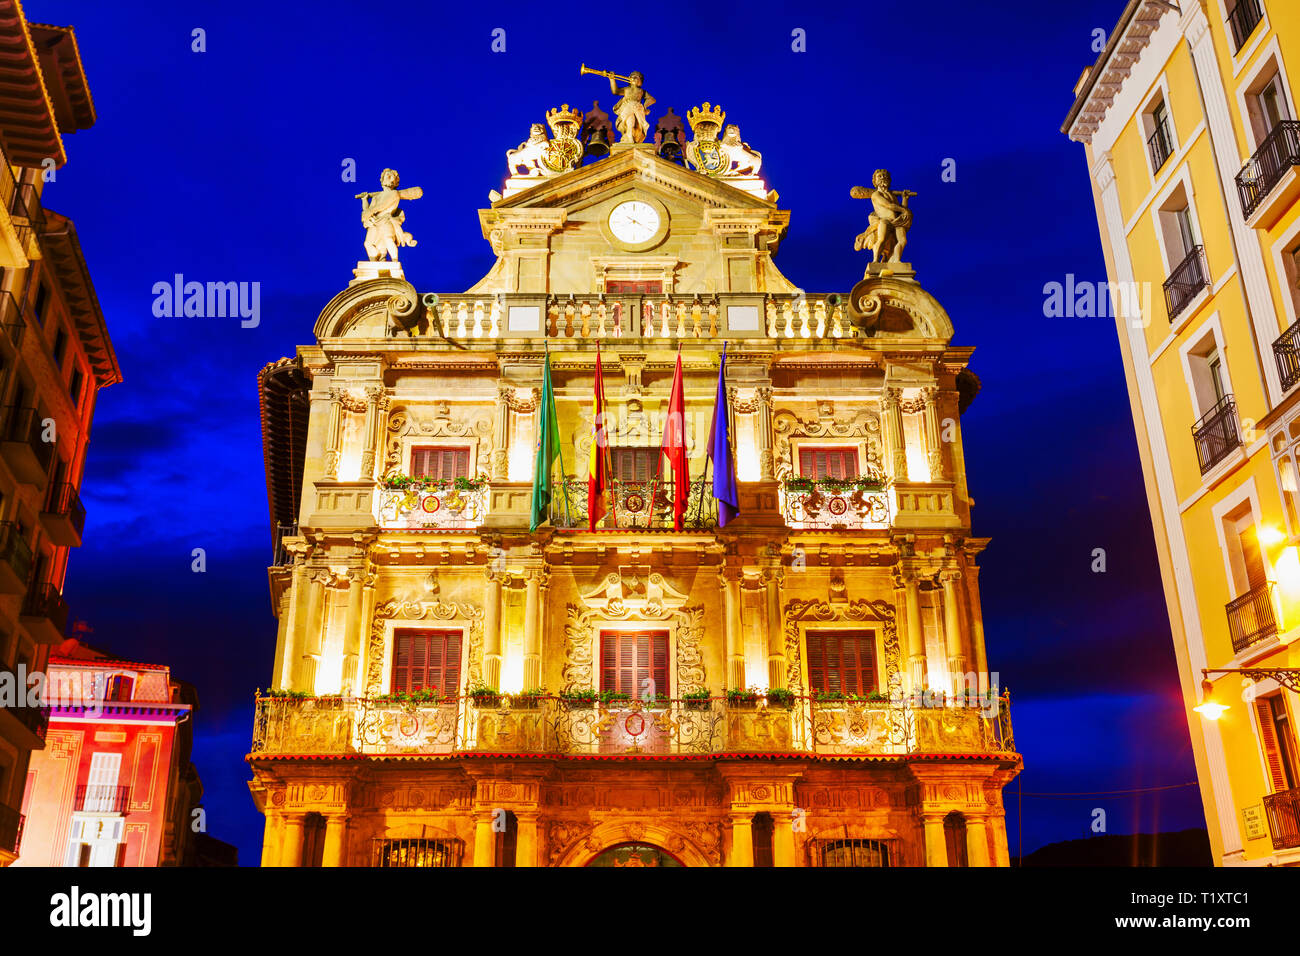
<point>1188,119</point>
<point>451,688</point>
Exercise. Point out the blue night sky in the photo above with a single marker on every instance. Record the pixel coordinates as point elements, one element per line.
<point>225,166</point>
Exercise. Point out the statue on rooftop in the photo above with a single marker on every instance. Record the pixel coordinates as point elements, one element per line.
<point>630,109</point>
<point>888,221</point>
<point>741,160</point>
<point>383,220</point>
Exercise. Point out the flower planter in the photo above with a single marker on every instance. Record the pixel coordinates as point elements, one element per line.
<point>486,700</point>
<point>742,703</point>
<point>579,704</point>
<point>697,703</point>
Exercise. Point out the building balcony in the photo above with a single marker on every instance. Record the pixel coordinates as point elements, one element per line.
<point>64,516</point>
<point>443,505</point>
<point>1253,617</point>
<point>45,614</point>
<point>617,316</point>
<point>23,448</point>
<point>832,504</point>
<point>1286,352</point>
<point>1268,183</point>
<point>281,556</point>
<point>12,324</point>
<point>1216,435</point>
<point>20,212</point>
<point>1243,18</point>
<point>1186,282</point>
<point>642,505</point>
<point>1283,810</point>
<point>102,798</point>
<point>551,726</point>
<point>1159,146</point>
<point>15,559</point>
<point>34,720</point>
<point>11,829</point>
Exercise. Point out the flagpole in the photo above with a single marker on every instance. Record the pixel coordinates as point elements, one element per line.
<point>568,515</point>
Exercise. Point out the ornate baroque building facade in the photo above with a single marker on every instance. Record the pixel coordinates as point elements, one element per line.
<point>1189,123</point>
<point>453,688</point>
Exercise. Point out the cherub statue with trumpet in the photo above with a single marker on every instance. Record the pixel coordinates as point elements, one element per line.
<point>631,106</point>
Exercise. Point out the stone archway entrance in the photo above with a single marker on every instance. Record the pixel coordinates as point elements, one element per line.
<point>635,854</point>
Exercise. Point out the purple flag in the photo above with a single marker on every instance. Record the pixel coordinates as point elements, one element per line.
<point>724,463</point>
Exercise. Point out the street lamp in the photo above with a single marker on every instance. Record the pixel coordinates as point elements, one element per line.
<point>1212,709</point>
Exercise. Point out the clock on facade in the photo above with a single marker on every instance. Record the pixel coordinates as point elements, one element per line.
<point>634,222</point>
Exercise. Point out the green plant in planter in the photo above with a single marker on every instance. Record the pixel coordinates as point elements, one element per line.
<point>780,697</point>
<point>798,484</point>
<point>528,699</point>
<point>877,697</point>
<point>835,485</point>
<point>613,697</point>
<point>468,484</point>
<point>397,481</point>
<point>579,698</point>
<point>741,697</point>
<point>697,699</point>
<point>290,694</point>
<point>482,694</point>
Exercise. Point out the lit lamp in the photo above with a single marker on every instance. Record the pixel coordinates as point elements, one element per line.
<point>1209,707</point>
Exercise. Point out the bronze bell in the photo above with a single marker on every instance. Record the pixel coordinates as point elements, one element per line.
<point>670,147</point>
<point>598,143</point>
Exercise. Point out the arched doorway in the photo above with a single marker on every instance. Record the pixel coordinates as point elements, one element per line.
<point>635,854</point>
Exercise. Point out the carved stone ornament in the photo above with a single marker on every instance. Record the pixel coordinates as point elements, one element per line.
<point>403,423</point>
<point>863,425</point>
<point>800,612</point>
<point>468,615</point>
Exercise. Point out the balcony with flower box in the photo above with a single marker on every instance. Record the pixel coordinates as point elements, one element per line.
<point>858,504</point>
<point>458,504</point>
<point>641,505</point>
<point>605,724</point>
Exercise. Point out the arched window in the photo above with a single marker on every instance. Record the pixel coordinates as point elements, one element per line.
<point>507,838</point>
<point>763,828</point>
<point>954,834</point>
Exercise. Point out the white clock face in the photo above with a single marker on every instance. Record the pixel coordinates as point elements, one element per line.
<point>634,222</point>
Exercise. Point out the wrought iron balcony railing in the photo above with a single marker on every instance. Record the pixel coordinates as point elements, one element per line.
<point>11,319</point>
<point>831,504</point>
<point>433,504</point>
<point>24,425</point>
<point>554,726</point>
<point>102,798</point>
<point>11,828</point>
<point>282,555</point>
<point>1279,151</point>
<point>1216,434</point>
<point>1187,280</point>
<point>646,505</point>
<point>1283,809</point>
<point>64,502</point>
<point>1286,351</point>
<point>1159,145</point>
<point>46,601</point>
<point>1253,616</point>
<point>1244,17</point>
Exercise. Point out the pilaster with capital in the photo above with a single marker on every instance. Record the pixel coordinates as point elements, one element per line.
<point>891,407</point>
<point>729,580</point>
<point>333,432</point>
<point>763,429</point>
<point>952,626</point>
<point>909,583</point>
<point>934,434</point>
<point>535,582</point>
<point>376,405</point>
<point>492,627</point>
<point>501,432</point>
<point>773,635</point>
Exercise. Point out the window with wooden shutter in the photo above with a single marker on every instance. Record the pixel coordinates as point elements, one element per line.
<point>426,660</point>
<point>832,462</point>
<point>630,659</point>
<point>634,464</point>
<point>1278,739</point>
<point>1253,558</point>
<point>440,462</point>
<point>841,662</point>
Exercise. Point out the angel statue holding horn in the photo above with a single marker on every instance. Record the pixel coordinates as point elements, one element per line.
<point>631,107</point>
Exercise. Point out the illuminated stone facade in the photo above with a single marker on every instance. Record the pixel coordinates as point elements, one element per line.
<point>865,586</point>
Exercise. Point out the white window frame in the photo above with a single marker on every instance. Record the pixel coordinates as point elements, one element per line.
<point>1146,124</point>
<point>1193,348</point>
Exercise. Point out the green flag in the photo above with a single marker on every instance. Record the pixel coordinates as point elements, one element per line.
<point>548,449</point>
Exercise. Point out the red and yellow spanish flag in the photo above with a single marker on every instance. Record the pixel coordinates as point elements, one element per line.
<point>598,464</point>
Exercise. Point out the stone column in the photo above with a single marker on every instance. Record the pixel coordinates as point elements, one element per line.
<point>313,637</point>
<point>735,646</point>
<point>501,433</point>
<point>977,842</point>
<point>893,421</point>
<point>979,656</point>
<point>492,630</point>
<point>370,430</point>
<point>332,431</point>
<point>934,435</point>
<point>916,656</point>
<point>936,847</point>
<point>336,840</point>
<point>270,845</point>
<point>775,634</point>
<point>783,840</point>
<point>484,839</point>
<point>526,838</point>
<point>535,580</point>
<point>291,843</point>
<point>353,625</point>
<point>742,840</point>
<point>763,431</point>
<point>1001,852</point>
<point>952,628</point>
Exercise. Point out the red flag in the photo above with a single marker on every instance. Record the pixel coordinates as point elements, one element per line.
<point>674,447</point>
<point>598,462</point>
